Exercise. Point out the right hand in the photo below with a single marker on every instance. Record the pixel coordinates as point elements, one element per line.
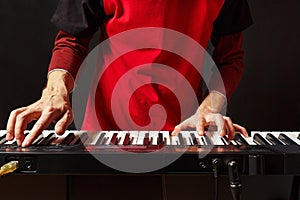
<point>54,106</point>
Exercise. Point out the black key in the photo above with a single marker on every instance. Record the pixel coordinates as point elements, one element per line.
<point>298,136</point>
<point>3,136</point>
<point>68,139</point>
<point>146,139</point>
<point>131,140</point>
<point>258,139</point>
<point>240,139</point>
<point>181,140</point>
<point>38,141</point>
<point>127,139</point>
<point>51,140</point>
<point>99,141</point>
<point>15,142</point>
<point>286,140</point>
<point>225,140</point>
<point>81,140</point>
<point>45,141</point>
<point>160,139</point>
<point>271,138</point>
<point>207,140</point>
<point>104,141</point>
<point>194,139</point>
<point>3,139</point>
<point>114,139</point>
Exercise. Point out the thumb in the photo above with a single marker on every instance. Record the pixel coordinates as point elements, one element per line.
<point>63,123</point>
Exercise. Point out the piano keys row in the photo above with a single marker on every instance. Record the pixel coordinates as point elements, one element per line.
<point>185,138</point>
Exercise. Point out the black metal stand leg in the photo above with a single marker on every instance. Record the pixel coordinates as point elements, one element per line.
<point>295,195</point>
<point>68,187</point>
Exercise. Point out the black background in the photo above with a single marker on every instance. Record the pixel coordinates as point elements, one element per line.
<point>267,98</point>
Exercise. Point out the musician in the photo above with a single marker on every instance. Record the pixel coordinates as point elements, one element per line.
<point>220,21</point>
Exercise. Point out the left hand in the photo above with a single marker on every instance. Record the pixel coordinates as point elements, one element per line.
<point>208,114</point>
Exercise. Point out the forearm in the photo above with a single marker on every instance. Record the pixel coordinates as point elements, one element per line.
<point>69,52</point>
<point>229,57</point>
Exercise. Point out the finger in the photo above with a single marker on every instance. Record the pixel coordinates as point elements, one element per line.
<point>218,120</point>
<point>201,124</point>
<point>241,129</point>
<point>223,131</point>
<point>229,127</point>
<point>176,130</point>
<point>21,123</point>
<point>188,123</point>
<point>221,124</point>
<point>43,122</point>
<point>10,127</point>
<point>200,129</point>
<point>64,122</point>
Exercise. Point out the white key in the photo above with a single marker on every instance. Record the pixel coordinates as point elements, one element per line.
<point>121,137</point>
<point>234,143</point>
<point>133,137</point>
<point>175,140</point>
<point>2,133</point>
<point>42,136</point>
<point>93,137</point>
<point>200,139</point>
<point>249,140</point>
<point>166,137</point>
<point>214,137</point>
<point>153,135</point>
<point>103,138</point>
<point>293,136</point>
<point>59,138</point>
<point>224,141</point>
<point>187,137</point>
<point>108,137</point>
<point>10,142</point>
<point>264,134</point>
<point>141,137</point>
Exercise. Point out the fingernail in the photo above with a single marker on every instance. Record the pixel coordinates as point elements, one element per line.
<point>24,144</point>
<point>19,142</point>
<point>222,133</point>
<point>9,137</point>
<point>201,132</point>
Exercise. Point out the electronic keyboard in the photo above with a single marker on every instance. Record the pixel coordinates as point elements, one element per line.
<point>76,152</point>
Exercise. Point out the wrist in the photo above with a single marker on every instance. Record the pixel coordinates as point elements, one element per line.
<point>214,102</point>
<point>60,81</point>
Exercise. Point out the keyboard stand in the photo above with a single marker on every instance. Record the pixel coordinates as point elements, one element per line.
<point>295,192</point>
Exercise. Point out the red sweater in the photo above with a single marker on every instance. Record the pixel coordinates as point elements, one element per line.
<point>194,18</point>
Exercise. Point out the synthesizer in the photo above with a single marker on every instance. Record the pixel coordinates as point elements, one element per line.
<point>263,153</point>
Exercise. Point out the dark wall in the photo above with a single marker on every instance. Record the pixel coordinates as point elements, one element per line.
<point>268,97</point>
<point>26,40</point>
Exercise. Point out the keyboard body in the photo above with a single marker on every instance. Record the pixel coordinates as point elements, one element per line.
<point>75,152</point>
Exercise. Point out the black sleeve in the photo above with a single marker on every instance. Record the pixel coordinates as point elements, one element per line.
<point>79,17</point>
<point>234,17</point>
